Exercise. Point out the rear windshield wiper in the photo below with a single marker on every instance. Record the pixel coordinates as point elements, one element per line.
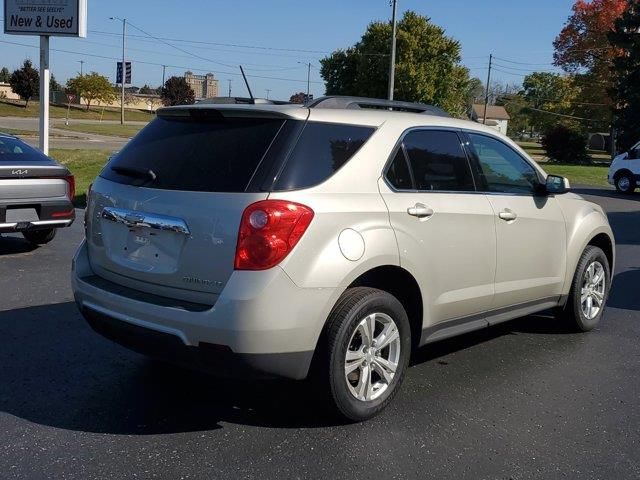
<point>145,173</point>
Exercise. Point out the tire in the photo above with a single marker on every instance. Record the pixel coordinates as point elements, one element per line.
<point>347,331</point>
<point>39,237</point>
<point>625,183</point>
<point>576,313</point>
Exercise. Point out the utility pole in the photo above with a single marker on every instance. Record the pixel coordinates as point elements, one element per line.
<point>392,66</point>
<point>229,86</point>
<point>268,90</point>
<point>81,65</point>
<point>164,71</point>
<point>308,64</point>
<point>486,96</point>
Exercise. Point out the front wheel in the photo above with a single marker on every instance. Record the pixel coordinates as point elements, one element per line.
<point>625,183</point>
<point>39,237</point>
<point>589,290</point>
<point>368,350</point>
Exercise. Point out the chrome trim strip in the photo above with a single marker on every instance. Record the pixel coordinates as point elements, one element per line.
<point>39,223</point>
<point>135,219</point>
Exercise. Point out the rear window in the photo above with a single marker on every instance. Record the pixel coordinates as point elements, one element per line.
<point>15,151</point>
<point>216,154</point>
<point>322,149</point>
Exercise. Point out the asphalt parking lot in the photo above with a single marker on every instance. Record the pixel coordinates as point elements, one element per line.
<point>522,400</point>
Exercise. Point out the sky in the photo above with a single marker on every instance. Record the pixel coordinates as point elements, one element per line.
<point>275,39</point>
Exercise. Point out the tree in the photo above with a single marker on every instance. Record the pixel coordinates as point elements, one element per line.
<point>583,43</point>
<point>54,86</point>
<point>176,91</point>
<point>147,90</point>
<point>298,97</point>
<point>92,87</point>
<point>475,92</point>
<point>582,48</point>
<point>25,82</point>
<point>548,93</point>
<point>427,65</point>
<point>626,73</point>
<point>4,75</point>
<point>517,107</point>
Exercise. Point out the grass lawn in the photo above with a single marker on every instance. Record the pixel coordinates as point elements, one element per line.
<point>26,133</point>
<point>536,150</point>
<point>13,109</point>
<point>116,130</point>
<point>85,166</point>
<point>579,174</point>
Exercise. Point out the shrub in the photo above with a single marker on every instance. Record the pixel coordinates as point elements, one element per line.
<point>565,144</point>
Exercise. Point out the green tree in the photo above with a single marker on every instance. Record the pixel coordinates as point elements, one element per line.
<point>427,65</point>
<point>92,87</point>
<point>626,76</point>
<point>147,90</point>
<point>517,107</point>
<point>25,82</point>
<point>4,75</point>
<point>548,94</point>
<point>176,91</point>
<point>54,86</point>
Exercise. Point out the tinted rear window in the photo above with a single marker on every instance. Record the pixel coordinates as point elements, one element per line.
<point>322,149</point>
<point>212,155</point>
<point>15,151</point>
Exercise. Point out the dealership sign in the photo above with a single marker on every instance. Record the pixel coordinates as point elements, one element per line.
<point>46,17</point>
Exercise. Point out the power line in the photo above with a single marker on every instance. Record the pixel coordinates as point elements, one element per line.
<point>142,62</point>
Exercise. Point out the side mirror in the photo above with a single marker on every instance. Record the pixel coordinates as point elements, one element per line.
<point>557,185</point>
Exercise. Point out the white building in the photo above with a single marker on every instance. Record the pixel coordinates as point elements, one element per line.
<point>497,117</point>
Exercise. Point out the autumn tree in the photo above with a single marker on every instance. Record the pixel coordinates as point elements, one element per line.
<point>582,48</point>
<point>428,65</point>
<point>25,82</point>
<point>92,87</point>
<point>54,86</point>
<point>626,74</point>
<point>298,97</point>
<point>176,91</point>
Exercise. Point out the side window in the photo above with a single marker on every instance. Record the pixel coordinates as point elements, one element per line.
<point>322,149</point>
<point>398,172</point>
<point>503,169</point>
<point>438,161</point>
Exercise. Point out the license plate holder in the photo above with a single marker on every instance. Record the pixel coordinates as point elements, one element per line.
<point>21,215</point>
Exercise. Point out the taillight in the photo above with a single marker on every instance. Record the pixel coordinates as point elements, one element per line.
<point>268,232</point>
<point>86,207</point>
<point>71,183</point>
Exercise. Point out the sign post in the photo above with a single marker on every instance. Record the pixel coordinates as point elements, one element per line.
<point>45,77</point>
<point>46,18</point>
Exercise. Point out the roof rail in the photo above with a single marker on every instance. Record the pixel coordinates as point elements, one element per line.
<point>240,100</point>
<point>376,103</point>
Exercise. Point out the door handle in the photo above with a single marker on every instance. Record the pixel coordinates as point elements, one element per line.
<point>507,215</point>
<point>419,210</point>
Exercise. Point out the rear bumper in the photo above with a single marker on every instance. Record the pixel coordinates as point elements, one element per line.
<point>262,324</point>
<point>50,214</point>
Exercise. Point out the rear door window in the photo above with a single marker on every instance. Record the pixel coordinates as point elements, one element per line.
<point>321,150</point>
<point>438,161</point>
<point>213,154</point>
<point>15,151</point>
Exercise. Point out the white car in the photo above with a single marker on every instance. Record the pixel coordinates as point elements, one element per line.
<point>329,241</point>
<point>624,172</point>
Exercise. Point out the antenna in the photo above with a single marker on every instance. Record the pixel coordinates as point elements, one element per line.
<point>247,84</point>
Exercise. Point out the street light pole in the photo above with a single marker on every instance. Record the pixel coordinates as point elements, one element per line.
<point>124,66</point>
<point>392,66</point>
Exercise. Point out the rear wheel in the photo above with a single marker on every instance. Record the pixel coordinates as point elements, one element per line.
<point>589,290</point>
<point>368,349</point>
<point>625,183</point>
<point>39,237</point>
